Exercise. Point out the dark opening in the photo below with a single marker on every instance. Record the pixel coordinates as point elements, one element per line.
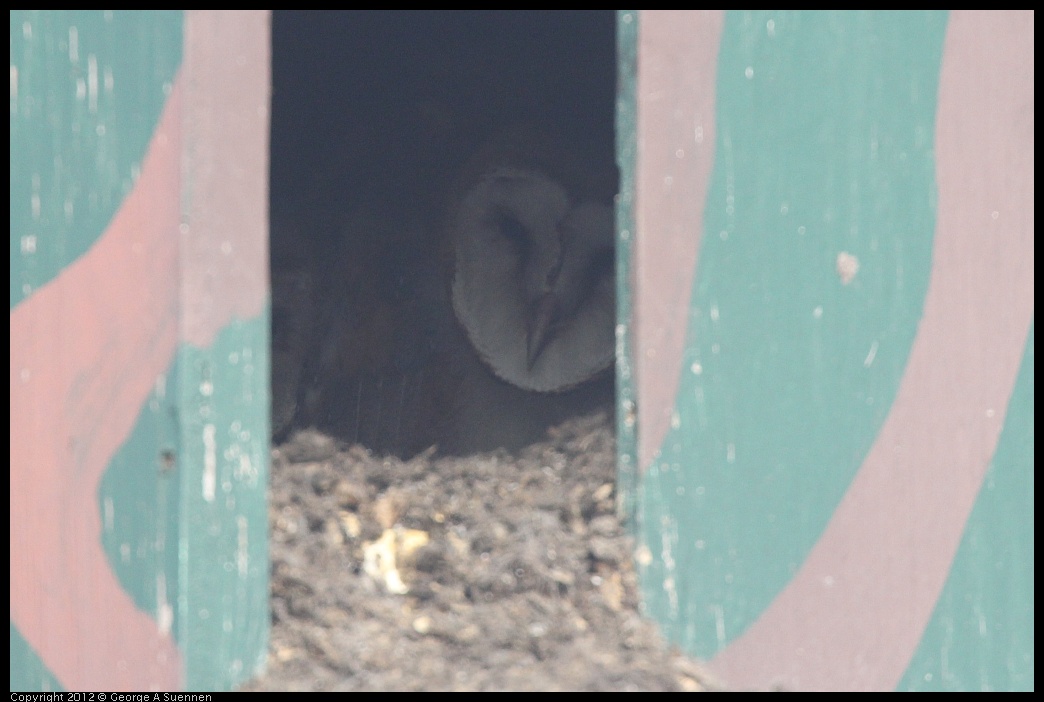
<point>382,124</point>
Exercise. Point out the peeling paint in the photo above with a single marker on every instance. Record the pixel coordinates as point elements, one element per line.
<point>209,462</point>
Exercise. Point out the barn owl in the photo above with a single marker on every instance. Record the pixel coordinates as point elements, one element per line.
<point>532,289</point>
<point>508,332</point>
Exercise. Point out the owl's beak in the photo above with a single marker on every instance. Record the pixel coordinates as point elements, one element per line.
<point>542,322</point>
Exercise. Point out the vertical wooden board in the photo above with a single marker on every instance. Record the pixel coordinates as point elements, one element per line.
<point>224,535</point>
<point>223,361</point>
<point>626,153</point>
<point>804,482</point>
<point>142,277</point>
<point>94,174</point>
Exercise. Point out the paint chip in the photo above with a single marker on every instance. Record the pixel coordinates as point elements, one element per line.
<point>847,267</point>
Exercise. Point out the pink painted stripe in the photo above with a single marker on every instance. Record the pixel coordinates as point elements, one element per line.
<point>224,247</point>
<point>86,349</point>
<point>677,71</point>
<point>855,613</point>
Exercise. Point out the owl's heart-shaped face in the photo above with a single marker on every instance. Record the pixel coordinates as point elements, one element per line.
<point>534,281</point>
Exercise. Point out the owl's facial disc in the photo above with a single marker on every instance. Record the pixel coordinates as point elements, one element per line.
<point>530,286</point>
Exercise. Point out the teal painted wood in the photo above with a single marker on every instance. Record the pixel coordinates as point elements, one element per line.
<point>781,408</point>
<point>187,533</point>
<point>818,236</point>
<point>981,634</point>
<point>223,358</point>
<point>140,367</point>
<point>87,89</point>
<point>27,671</point>
<point>139,498</point>
<point>626,146</point>
<point>223,546</point>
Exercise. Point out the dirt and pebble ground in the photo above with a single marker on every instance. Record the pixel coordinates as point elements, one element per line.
<point>487,572</point>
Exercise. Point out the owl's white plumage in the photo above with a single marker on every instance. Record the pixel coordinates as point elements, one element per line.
<point>533,291</point>
<point>533,278</point>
